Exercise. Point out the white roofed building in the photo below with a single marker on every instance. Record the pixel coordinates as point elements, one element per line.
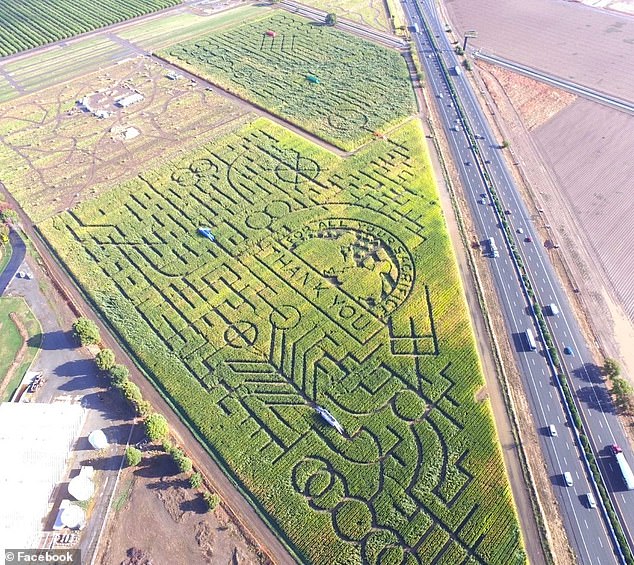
<point>35,442</point>
<point>129,100</point>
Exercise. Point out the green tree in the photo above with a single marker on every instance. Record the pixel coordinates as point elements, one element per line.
<point>505,144</point>
<point>118,375</point>
<point>9,216</point>
<point>623,394</point>
<point>86,332</point>
<point>212,500</point>
<point>184,464</point>
<point>105,359</point>
<point>611,368</point>
<point>4,234</point>
<point>131,392</point>
<point>132,456</point>
<point>331,19</point>
<point>143,408</point>
<point>196,480</point>
<point>167,445</point>
<point>156,427</point>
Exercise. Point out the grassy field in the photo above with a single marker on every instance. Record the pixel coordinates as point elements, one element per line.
<point>37,71</point>
<point>11,341</point>
<point>7,92</point>
<point>368,12</point>
<point>53,155</point>
<point>331,282</point>
<point>25,24</point>
<point>161,32</point>
<point>333,84</point>
<point>5,255</point>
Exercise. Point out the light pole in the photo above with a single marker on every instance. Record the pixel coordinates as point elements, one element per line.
<point>467,34</point>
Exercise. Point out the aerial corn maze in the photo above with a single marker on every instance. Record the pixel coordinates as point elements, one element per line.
<point>331,83</point>
<point>320,282</point>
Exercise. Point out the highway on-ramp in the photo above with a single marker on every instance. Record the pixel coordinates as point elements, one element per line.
<point>465,126</point>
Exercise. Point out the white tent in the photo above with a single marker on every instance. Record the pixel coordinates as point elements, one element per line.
<point>81,488</point>
<point>73,517</point>
<point>98,439</point>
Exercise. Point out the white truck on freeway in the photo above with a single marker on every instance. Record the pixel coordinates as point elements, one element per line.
<point>626,470</point>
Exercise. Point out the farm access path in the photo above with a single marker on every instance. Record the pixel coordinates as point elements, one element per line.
<point>241,509</point>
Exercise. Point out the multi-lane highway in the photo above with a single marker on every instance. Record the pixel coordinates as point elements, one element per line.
<point>466,125</point>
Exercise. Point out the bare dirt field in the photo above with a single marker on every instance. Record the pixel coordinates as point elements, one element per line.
<point>590,46</point>
<point>55,153</point>
<point>159,519</point>
<point>590,151</point>
<point>534,101</point>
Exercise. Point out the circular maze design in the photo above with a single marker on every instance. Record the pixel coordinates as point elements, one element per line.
<point>203,166</point>
<point>353,520</point>
<point>297,169</point>
<point>241,334</point>
<point>258,220</point>
<point>278,208</point>
<point>184,177</point>
<point>362,259</point>
<point>285,317</point>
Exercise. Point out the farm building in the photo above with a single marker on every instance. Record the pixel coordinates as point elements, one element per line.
<point>129,100</point>
<point>85,103</point>
<point>36,439</point>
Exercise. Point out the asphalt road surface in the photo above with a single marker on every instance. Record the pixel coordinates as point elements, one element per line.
<point>586,527</point>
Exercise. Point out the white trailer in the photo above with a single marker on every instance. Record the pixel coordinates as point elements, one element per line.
<point>626,471</point>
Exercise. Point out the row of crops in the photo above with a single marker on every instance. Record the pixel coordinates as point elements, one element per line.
<point>338,86</point>
<point>25,24</point>
<point>330,283</point>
